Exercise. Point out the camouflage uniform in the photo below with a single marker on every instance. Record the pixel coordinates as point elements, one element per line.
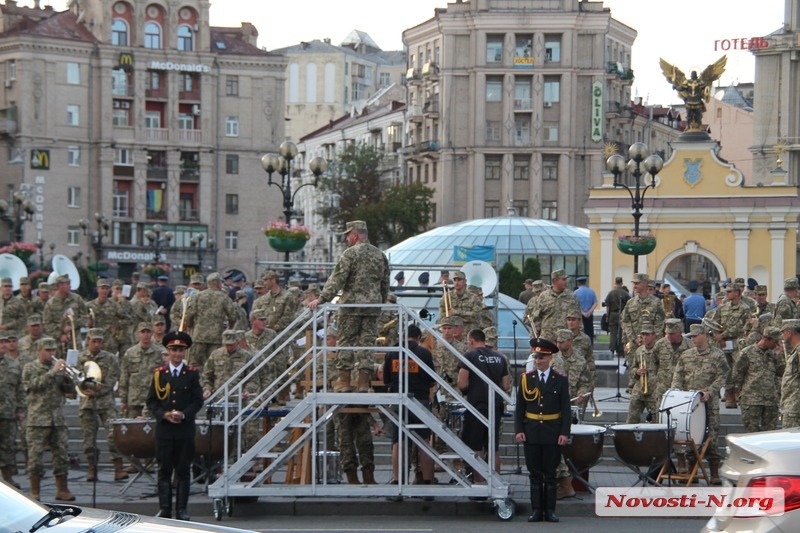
<point>355,441</point>
<point>103,408</point>
<point>549,311</point>
<point>269,372</point>
<point>27,302</point>
<point>753,334</point>
<point>639,399</point>
<point>578,374</point>
<point>704,371</point>
<point>206,316</point>
<point>108,316</point>
<point>54,320</point>
<point>12,313</point>
<point>666,357</point>
<point>733,318</point>
<point>176,311</point>
<point>45,425</point>
<point>136,372</point>
<point>790,390</point>
<point>445,362</point>
<point>466,305</point>
<point>143,311</point>
<point>362,274</point>
<point>785,309</point>
<point>582,346</point>
<point>122,339</point>
<point>280,311</point>
<point>637,311</point>
<point>12,408</point>
<point>756,373</point>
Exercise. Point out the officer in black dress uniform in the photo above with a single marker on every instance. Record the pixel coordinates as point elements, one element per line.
<point>175,397</point>
<point>542,423</point>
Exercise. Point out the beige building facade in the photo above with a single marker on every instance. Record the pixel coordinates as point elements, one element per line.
<point>144,113</point>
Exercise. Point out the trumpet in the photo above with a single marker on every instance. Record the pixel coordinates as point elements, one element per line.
<point>597,412</point>
<point>86,379</point>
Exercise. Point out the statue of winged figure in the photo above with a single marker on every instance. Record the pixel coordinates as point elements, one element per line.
<point>694,91</point>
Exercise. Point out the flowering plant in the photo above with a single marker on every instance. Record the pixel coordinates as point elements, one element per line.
<point>644,238</point>
<point>23,250</point>
<point>102,265</point>
<point>282,230</point>
<point>157,270</point>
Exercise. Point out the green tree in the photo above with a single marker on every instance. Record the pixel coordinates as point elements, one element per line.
<point>511,280</point>
<point>532,269</point>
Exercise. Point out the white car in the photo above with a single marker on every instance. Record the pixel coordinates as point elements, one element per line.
<point>766,459</point>
<point>18,512</point>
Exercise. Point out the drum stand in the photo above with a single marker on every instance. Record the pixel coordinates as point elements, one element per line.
<point>141,470</point>
<point>644,478</point>
<point>577,475</point>
<point>666,468</point>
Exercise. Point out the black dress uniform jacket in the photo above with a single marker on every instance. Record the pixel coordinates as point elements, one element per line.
<point>543,402</point>
<point>185,394</point>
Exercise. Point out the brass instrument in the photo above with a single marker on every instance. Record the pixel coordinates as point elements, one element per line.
<point>643,379</point>
<point>86,379</point>
<point>448,301</point>
<point>597,412</point>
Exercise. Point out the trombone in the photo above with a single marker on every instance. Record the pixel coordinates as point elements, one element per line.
<point>643,365</point>
<point>447,298</point>
<point>592,402</point>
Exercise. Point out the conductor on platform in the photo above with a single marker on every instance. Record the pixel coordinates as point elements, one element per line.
<point>542,424</point>
<point>174,398</point>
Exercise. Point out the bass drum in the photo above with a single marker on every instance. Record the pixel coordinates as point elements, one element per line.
<point>209,440</point>
<point>642,444</point>
<point>687,414</point>
<point>135,437</point>
<point>585,446</point>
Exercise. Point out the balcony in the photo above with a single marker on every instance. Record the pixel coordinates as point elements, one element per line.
<point>124,171</point>
<point>431,109</point>
<point>192,136</point>
<point>189,215</point>
<point>414,113</point>
<point>522,140</point>
<point>189,95</point>
<point>430,70</point>
<point>190,174</point>
<point>157,173</point>
<point>619,70</point>
<point>427,146</point>
<point>8,126</point>
<point>523,104</point>
<point>157,215</point>
<point>156,134</point>
<point>160,92</point>
<point>122,90</point>
<point>413,77</point>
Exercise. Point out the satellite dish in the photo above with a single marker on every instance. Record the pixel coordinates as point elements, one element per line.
<point>12,267</point>
<point>62,266</point>
<point>482,274</point>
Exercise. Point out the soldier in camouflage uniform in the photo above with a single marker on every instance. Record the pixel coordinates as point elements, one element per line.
<point>42,296</point>
<point>762,304</point>
<point>124,335</point>
<point>548,312</point>
<point>703,368</point>
<point>25,294</point>
<point>644,370</point>
<point>176,311</point>
<point>577,370</point>
<point>756,327</point>
<point>666,352</point>
<point>356,446</point>
<point>461,302</point>
<point>12,413</point>
<point>746,299</point>
<point>732,315</point>
<point>785,307</point>
<point>790,383</point>
<point>362,275</point>
<point>34,329</point>
<point>756,374</point>
<point>56,318</point>
<point>12,312</point>
<point>257,337</point>
<point>105,313</point>
<point>485,318</point>
<point>240,304</point>
<point>643,307</point>
<point>46,384</point>
<point>136,371</point>
<point>278,303</point>
<point>143,307</point>
<point>445,362</point>
<point>387,322</point>
<point>207,314</point>
<point>582,344</point>
<point>97,404</point>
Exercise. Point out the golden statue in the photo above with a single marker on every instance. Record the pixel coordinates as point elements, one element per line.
<point>694,91</point>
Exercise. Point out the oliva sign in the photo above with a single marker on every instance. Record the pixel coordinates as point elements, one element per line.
<point>597,111</point>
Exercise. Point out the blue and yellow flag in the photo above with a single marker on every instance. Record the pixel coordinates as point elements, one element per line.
<point>465,254</point>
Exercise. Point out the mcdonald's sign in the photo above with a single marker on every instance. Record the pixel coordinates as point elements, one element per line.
<point>40,159</point>
<point>126,60</point>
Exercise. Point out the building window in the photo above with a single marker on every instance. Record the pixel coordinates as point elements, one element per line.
<point>491,208</point>
<point>494,90</point>
<point>384,79</point>
<point>523,46</point>
<point>73,236</point>
<point>493,130</point>
<point>552,90</point>
<point>74,156</point>
<point>550,132</point>
<point>73,74</point>
<point>520,207</point>
<point>550,168</point>
<point>73,115</point>
<point>232,164</point>
<point>120,207</point>
<point>231,204</point>
<point>494,48</point>
<point>359,91</point>
<point>232,126</point>
<point>521,169</point>
<point>119,82</point>
<point>522,132</point>
<point>153,80</point>
<point>123,156</point>
<point>231,240</point>
<point>121,115</point>
<point>552,48</point>
<point>493,167</point>
<point>550,210</point>
<point>152,120</point>
<point>152,35</point>
<point>119,32</point>
<point>185,38</point>
<point>231,85</point>
<point>73,196</point>
<point>185,121</point>
<point>11,69</point>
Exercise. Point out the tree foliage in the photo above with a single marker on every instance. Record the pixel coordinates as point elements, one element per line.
<point>532,269</point>
<point>392,213</point>
<point>511,280</point>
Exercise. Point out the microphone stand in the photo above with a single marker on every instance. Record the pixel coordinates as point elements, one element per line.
<point>517,470</point>
<point>95,451</point>
<point>618,396</point>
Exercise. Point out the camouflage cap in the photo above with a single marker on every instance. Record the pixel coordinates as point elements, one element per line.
<point>96,333</point>
<point>673,325</point>
<point>538,285</point>
<point>651,283</point>
<point>144,326</point>
<point>761,289</point>
<point>158,319</point>
<point>332,331</point>
<point>764,319</point>
<point>196,278</point>
<point>46,343</point>
<point>528,281</point>
<point>142,287</point>
<point>241,295</point>
<point>791,283</point>
<point>647,328</point>
<point>3,335</point>
<point>572,313</point>
<point>474,289</point>
<point>454,321</point>
<point>563,335</point>
<point>6,282</point>
<point>103,282</point>
<point>312,288</point>
<point>269,274</point>
<point>258,284</point>
<point>62,279</point>
<point>258,314</point>
<point>230,336</point>
<point>213,277</point>
<point>180,289</point>
<point>34,319</point>
<point>294,290</point>
<point>24,280</point>
<point>640,277</point>
<point>294,283</point>
<point>697,329</point>
<point>491,335</point>
<point>740,281</point>
<point>558,274</point>
<point>354,225</point>
<point>458,274</point>
<point>12,334</point>
<point>44,286</point>
<point>733,287</point>
<point>791,323</point>
<point>772,333</point>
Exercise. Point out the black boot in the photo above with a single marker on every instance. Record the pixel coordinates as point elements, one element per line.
<point>182,500</point>
<point>164,499</point>
<point>536,502</point>
<point>550,496</point>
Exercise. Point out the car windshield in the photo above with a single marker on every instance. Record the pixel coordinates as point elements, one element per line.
<point>18,512</point>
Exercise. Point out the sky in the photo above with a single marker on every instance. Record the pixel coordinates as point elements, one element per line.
<point>681,31</point>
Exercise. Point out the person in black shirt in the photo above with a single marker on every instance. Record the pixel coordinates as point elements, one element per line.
<point>494,365</point>
<point>420,386</point>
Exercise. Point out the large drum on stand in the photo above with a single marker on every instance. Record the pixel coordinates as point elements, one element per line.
<point>645,445</point>
<point>135,437</point>
<point>687,415</point>
<point>209,440</point>
<point>583,450</point>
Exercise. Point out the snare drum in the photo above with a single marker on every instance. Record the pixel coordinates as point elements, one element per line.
<point>687,414</point>
<point>642,444</point>
<point>585,445</point>
<point>135,437</point>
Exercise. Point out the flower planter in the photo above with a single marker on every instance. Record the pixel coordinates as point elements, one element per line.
<point>633,246</point>
<point>287,244</point>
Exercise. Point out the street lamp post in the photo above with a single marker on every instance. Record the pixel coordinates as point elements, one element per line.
<point>40,245</point>
<point>103,225</point>
<point>158,239</point>
<point>197,242</point>
<point>21,212</point>
<point>282,163</point>
<point>640,162</point>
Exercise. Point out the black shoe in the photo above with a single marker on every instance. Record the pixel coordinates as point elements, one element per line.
<point>395,498</point>
<point>535,517</point>
<point>164,513</point>
<point>550,516</point>
<point>181,514</point>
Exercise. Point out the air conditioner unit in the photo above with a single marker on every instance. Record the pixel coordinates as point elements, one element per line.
<point>195,110</point>
<point>7,84</point>
<point>548,104</point>
<point>196,27</point>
